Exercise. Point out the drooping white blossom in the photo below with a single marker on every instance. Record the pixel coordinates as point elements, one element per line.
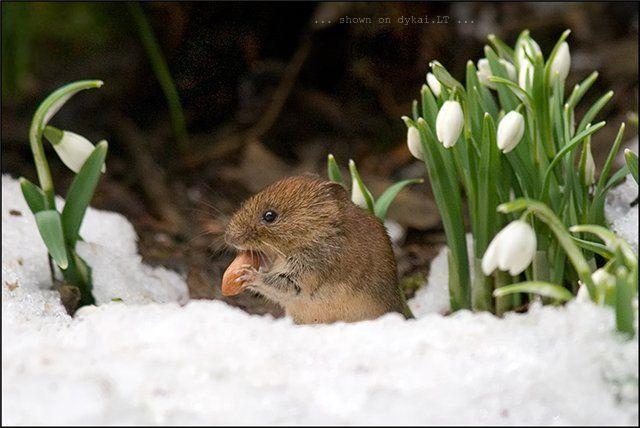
<point>510,131</point>
<point>512,249</point>
<point>449,123</point>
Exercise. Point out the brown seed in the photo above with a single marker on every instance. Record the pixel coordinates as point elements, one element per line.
<point>231,287</point>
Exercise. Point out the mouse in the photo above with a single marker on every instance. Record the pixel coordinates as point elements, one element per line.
<point>304,245</point>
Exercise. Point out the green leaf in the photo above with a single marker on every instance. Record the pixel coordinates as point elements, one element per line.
<point>444,77</point>
<point>446,191</point>
<point>33,195</point>
<point>333,170</point>
<point>50,228</point>
<point>594,247</point>
<point>545,289</point>
<point>632,163</point>
<point>502,48</point>
<point>357,181</point>
<point>384,201</point>
<point>594,110</point>
<point>81,191</point>
<point>580,89</point>
<point>624,302</point>
<point>566,149</point>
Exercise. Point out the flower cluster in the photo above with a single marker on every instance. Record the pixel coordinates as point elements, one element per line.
<point>508,137</point>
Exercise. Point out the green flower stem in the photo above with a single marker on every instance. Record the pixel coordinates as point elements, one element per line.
<point>46,110</point>
<point>161,70</point>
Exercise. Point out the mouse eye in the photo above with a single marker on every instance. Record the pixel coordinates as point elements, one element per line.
<point>269,216</point>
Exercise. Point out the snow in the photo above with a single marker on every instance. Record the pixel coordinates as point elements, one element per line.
<point>620,214</point>
<point>153,360</point>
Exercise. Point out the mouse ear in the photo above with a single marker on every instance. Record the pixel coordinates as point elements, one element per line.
<point>336,190</point>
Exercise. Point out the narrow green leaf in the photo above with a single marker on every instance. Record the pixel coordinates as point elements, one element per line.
<point>594,110</point>
<point>33,195</point>
<point>333,170</point>
<point>50,228</point>
<point>502,48</point>
<point>566,149</point>
<point>545,289</point>
<point>610,158</point>
<point>81,191</point>
<point>632,163</point>
<point>444,77</point>
<point>594,247</point>
<point>446,190</point>
<point>357,181</point>
<point>624,302</point>
<point>384,201</point>
<point>581,89</point>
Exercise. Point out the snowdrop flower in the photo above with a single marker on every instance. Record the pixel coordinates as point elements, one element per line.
<point>434,84</point>
<point>525,67</point>
<point>484,72</point>
<point>562,62</point>
<point>449,123</point>
<point>413,142</point>
<point>510,131</point>
<point>73,149</point>
<point>512,249</point>
<point>525,75</point>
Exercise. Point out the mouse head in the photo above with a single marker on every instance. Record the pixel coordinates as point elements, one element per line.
<point>291,214</point>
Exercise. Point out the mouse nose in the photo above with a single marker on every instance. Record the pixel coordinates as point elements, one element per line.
<point>236,238</point>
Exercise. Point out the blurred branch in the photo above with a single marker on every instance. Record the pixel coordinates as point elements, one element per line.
<point>150,175</point>
<point>271,114</point>
<point>161,70</point>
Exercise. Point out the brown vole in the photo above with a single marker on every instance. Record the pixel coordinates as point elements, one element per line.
<point>304,245</point>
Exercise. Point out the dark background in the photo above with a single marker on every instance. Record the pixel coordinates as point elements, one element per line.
<point>269,90</point>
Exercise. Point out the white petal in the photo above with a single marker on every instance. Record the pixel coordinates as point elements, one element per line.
<point>510,131</point>
<point>413,142</point>
<point>434,84</point>
<point>511,69</point>
<point>490,259</point>
<point>562,62</point>
<point>517,247</point>
<point>73,150</point>
<point>449,123</point>
<point>484,73</point>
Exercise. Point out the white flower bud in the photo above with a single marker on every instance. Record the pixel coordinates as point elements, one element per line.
<point>449,123</point>
<point>511,69</point>
<point>525,74</point>
<point>413,142</point>
<point>512,249</point>
<point>510,131</point>
<point>434,84</point>
<point>562,62</point>
<point>73,149</point>
<point>484,73</point>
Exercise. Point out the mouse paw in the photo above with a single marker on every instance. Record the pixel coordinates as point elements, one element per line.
<point>247,274</point>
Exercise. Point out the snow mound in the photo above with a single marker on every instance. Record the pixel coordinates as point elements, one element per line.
<point>109,248</point>
<point>209,363</point>
<point>619,212</point>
